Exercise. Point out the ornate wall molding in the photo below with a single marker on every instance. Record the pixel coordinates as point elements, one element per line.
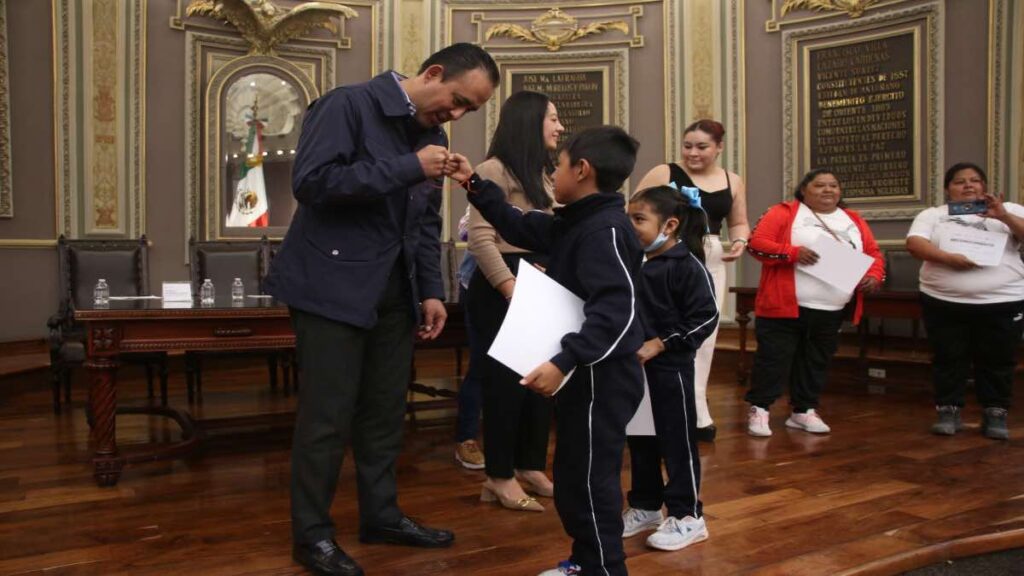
<point>793,12</point>
<point>1004,120</point>
<point>264,24</point>
<point>6,180</point>
<point>554,29</point>
<point>100,117</point>
<point>932,89</point>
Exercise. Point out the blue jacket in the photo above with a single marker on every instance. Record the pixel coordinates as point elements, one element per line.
<point>364,202</point>
<point>594,253</point>
<point>678,305</point>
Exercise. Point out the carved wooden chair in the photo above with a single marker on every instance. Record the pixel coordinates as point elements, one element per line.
<point>221,262</point>
<point>124,264</point>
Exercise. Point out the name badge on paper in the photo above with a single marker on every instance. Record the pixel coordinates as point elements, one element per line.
<point>177,292</point>
<point>983,247</point>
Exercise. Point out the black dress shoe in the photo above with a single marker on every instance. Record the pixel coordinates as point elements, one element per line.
<point>707,433</point>
<point>325,558</point>
<point>407,533</point>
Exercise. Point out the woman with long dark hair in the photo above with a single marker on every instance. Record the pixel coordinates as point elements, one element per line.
<point>516,419</point>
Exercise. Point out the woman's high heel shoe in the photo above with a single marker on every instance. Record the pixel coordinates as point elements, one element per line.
<point>534,488</point>
<point>527,504</point>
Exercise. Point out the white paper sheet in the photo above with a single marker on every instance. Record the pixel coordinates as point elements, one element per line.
<point>134,297</point>
<point>177,292</point>
<point>542,311</point>
<point>642,423</point>
<point>983,247</point>
<point>838,265</point>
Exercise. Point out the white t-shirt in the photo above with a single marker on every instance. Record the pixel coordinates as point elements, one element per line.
<point>982,285</point>
<point>810,291</point>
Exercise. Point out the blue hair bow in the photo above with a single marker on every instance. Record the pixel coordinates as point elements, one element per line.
<point>692,197</point>
<point>689,193</point>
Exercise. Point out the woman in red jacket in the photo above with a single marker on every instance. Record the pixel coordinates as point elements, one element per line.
<point>798,315</point>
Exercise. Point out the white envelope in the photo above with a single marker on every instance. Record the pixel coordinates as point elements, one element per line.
<point>542,311</point>
<point>838,265</point>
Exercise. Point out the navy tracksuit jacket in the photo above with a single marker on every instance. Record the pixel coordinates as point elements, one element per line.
<point>678,306</point>
<point>595,254</point>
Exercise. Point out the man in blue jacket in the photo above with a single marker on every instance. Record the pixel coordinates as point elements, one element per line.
<point>359,267</point>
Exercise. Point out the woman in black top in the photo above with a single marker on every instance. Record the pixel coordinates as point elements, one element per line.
<point>723,196</point>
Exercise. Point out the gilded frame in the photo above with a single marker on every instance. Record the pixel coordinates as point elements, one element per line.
<point>614,64</point>
<point>212,145</point>
<point>927,137</point>
<point>205,56</point>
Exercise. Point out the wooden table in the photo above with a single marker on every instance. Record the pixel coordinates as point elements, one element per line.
<point>884,304</point>
<point>148,326</point>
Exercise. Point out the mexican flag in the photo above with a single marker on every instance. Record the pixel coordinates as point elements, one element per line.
<point>250,206</point>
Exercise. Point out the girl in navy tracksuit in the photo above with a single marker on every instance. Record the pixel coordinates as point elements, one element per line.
<point>679,311</point>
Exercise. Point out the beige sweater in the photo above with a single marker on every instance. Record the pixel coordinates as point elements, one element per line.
<point>484,242</point>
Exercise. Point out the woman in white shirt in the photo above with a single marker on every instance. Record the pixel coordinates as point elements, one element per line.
<point>974,313</point>
<point>798,314</point>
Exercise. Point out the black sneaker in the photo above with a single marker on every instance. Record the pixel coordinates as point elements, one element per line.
<point>326,558</point>
<point>993,424</point>
<point>949,422</point>
<point>707,433</point>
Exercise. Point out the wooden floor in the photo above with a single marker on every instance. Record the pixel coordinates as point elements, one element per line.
<point>878,496</point>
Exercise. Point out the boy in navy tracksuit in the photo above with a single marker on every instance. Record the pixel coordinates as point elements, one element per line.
<point>595,254</point>
<point>679,312</point>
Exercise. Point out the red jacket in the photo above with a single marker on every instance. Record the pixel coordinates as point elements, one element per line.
<point>769,243</point>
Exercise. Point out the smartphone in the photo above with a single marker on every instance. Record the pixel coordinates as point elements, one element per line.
<point>971,207</point>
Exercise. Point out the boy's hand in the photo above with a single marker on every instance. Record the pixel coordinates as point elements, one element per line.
<point>461,169</point>
<point>650,349</point>
<point>544,379</point>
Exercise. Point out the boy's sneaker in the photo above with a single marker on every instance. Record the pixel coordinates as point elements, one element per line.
<point>993,424</point>
<point>564,567</point>
<point>675,533</point>
<point>808,421</point>
<point>469,455</point>
<point>949,421</point>
<point>757,422</point>
<point>636,520</point>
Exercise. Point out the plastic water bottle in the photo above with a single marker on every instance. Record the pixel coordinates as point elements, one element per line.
<point>237,290</point>
<point>206,293</point>
<point>101,293</point>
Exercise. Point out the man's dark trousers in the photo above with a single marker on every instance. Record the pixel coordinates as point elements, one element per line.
<point>354,384</point>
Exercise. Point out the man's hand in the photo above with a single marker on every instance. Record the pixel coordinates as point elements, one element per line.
<point>434,317</point>
<point>735,251</point>
<point>869,285</point>
<point>463,169</point>
<point>433,159</point>
<point>650,349</point>
<point>806,256</point>
<point>544,379</point>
